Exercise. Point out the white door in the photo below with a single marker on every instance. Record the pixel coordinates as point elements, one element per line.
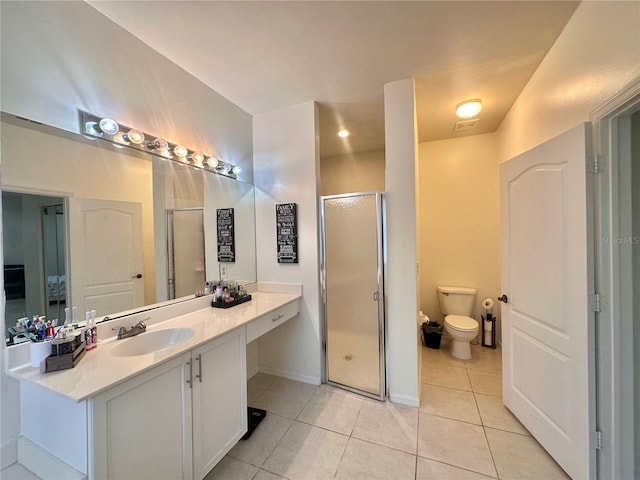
<point>546,324</point>
<point>105,241</point>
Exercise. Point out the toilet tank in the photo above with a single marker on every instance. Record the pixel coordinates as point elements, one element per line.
<point>456,300</point>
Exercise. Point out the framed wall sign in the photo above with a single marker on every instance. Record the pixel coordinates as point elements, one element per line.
<point>226,235</point>
<point>287,232</point>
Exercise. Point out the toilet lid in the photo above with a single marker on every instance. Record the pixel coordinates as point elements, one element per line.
<point>460,322</point>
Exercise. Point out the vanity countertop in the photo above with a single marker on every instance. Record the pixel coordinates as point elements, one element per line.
<point>100,370</point>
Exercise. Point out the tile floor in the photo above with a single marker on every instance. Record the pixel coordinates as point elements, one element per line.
<point>461,431</point>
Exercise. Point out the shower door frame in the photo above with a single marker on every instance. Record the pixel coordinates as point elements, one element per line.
<point>380,293</point>
<point>171,274</point>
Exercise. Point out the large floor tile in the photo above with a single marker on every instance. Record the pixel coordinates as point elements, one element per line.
<point>485,359</point>
<point>440,356</point>
<point>285,397</point>
<point>432,470</point>
<point>307,452</point>
<point>257,385</point>
<point>18,472</point>
<point>521,457</point>
<point>486,383</point>
<point>364,460</point>
<point>231,469</point>
<point>263,440</point>
<point>494,414</point>
<point>264,475</point>
<point>446,376</point>
<point>456,443</point>
<point>387,424</point>
<point>449,403</point>
<point>332,410</point>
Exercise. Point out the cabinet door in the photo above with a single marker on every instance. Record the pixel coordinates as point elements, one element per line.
<point>142,427</point>
<point>219,399</point>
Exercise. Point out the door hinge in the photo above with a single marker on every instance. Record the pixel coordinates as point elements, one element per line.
<point>594,302</point>
<point>594,164</point>
<point>598,440</point>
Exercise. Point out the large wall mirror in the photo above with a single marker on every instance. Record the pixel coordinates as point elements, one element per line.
<point>90,225</point>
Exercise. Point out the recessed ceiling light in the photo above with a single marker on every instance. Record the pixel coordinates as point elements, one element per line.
<point>469,108</point>
<point>343,133</point>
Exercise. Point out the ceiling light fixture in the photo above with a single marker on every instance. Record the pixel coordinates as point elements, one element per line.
<point>114,132</point>
<point>343,133</point>
<point>469,108</point>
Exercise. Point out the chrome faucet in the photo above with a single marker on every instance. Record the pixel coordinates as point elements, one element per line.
<point>137,329</point>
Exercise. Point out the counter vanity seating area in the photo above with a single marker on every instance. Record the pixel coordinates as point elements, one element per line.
<point>179,389</point>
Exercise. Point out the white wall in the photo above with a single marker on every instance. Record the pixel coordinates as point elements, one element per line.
<point>286,167</point>
<point>595,56</point>
<point>58,57</point>
<point>355,172</point>
<point>459,219</point>
<point>401,280</point>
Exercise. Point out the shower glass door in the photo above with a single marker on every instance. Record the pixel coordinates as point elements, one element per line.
<point>352,274</point>
<point>186,262</point>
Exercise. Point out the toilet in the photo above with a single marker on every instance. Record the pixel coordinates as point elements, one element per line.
<point>457,304</point>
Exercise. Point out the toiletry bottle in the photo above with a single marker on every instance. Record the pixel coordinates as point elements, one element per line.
<point>75,315</point>
<point>87,331</point>
<point>94,330</point>
<point>67,316</point>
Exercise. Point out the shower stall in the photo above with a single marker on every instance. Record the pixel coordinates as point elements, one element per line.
<point>352,268</point>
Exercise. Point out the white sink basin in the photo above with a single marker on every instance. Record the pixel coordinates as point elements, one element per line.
<point>151,342</point>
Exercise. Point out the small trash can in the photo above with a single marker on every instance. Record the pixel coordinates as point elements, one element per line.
<point>431,334</point>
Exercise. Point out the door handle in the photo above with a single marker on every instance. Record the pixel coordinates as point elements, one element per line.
<point>199,374</point>
<point>190,377</point>
<point>503,298</point>
<point>137,275</point>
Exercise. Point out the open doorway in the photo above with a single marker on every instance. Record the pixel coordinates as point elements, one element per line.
<point>618,274</point>
<point>35,262</point>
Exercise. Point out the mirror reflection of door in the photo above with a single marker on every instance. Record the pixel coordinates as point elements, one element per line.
<point>53,235</point>
<point>34,246</point>
<point>107,266</point>
<point>185,247</point>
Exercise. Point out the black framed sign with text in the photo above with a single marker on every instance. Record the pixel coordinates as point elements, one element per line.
<point>287,232</point>
<point>226,235</point>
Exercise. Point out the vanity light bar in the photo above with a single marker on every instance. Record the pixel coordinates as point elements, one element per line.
<point>122,135</point>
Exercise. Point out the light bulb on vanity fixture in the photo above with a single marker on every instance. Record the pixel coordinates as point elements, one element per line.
<point>181,152</point>
<point>132,136</point>
<point>197,158</point>
<point>121,136</point>
<point>158,144</point>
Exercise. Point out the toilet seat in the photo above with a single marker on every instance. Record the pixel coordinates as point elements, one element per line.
<point>461,323</point>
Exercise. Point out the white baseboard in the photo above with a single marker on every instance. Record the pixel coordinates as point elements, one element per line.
<point>405,400</point>
<point>43,464</point>
<point>251,372</point>
<point>289,375</point>
<point>8,453</point>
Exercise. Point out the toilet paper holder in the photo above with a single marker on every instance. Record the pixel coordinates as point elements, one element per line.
<point>488,325</point>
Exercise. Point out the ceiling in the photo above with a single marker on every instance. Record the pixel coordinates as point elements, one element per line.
<point>266,55</point>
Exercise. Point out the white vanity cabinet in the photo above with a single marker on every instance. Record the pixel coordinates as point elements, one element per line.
<point>176,420</point>
<point>219,399</point>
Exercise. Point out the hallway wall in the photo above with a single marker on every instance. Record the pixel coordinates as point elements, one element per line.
<point>355,172</point>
